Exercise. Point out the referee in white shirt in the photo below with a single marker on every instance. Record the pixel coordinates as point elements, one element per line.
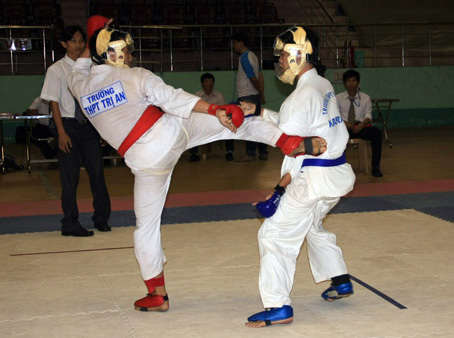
<point>77,140</point>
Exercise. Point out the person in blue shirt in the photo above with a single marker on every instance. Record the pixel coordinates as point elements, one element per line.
<point>250,88</point>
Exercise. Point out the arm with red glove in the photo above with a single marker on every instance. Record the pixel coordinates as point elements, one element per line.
<point>233,112</point>
<point>268,207</point>
<point>291,145</point>
<point>229,115</point>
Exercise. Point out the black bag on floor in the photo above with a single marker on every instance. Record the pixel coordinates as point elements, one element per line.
<point>10,164</point>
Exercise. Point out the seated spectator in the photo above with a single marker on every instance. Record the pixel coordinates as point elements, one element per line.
<point>209,94</point>
<point>41,130</point>
<point>356,111</point>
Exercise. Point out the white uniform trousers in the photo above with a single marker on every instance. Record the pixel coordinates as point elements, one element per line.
<point>280,239</point>
<point>151,186</point>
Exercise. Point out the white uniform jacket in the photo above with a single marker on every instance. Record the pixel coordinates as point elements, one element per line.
<point>311,110</point>
<point>114,100</point>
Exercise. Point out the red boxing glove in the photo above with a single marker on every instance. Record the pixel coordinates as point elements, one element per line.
<point>235,113</point>
<point>212,109</point>
<point>232,111</point>
<point>94,23</point>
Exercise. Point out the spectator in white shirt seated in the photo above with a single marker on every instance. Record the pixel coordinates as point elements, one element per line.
<point>356,111</point>
<point>211,95</point>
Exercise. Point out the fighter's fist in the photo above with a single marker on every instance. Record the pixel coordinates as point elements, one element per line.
<point>268,208</point>
<point>233,112</point>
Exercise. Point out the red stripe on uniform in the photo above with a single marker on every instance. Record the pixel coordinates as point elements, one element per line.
<point>146,121</point>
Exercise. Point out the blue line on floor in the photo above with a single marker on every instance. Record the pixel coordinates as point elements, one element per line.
<point>378,293</point>
<point>438,205</point>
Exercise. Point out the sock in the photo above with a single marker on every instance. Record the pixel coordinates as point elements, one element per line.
<point>153,282</point>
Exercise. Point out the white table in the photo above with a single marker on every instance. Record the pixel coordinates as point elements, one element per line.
<point>384,105</point>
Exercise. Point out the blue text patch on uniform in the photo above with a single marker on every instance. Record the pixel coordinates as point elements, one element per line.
<point>326,99</point>
<point>335,121</point>
<point>104,99</point>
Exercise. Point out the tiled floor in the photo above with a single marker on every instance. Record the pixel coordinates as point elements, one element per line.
<point>399,253</point>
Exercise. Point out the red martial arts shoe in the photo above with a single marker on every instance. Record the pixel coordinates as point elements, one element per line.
<point>152,301</point>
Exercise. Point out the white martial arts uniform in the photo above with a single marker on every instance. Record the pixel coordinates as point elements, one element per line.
<point>114,100</point>
<point>311,110</point>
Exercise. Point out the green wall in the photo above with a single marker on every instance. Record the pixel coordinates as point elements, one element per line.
<point>426,94</point>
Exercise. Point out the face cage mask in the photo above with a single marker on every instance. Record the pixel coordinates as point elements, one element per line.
<point>300,54</point>
<point>112,51</point>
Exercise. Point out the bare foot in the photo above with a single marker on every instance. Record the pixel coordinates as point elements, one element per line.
<point>319,146</point>
<point>261,323</point>
<point>248,108</point>
<point>161,308</point>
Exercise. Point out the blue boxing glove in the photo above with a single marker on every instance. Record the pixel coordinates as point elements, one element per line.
<point>268,208</point>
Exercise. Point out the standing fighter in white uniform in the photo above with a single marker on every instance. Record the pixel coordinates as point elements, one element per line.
<point>117,99</point>
<point>309,187</point>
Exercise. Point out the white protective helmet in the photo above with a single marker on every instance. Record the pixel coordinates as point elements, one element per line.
<point>109,47</point>
<point>296,42</point>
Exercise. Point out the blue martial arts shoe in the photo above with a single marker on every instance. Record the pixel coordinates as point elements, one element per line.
<point>276,315</point>
<point>338,291</point>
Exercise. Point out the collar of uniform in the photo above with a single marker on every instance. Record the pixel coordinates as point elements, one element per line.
<point>98,69</point>
<point>307,76</point>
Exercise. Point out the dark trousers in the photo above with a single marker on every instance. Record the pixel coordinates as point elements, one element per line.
<point>251,147</point>
<point>372,134</point>
<point>85,146</point>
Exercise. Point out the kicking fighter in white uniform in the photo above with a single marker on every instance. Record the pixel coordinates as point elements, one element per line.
<point>312,186</point>
<point>117,99</point>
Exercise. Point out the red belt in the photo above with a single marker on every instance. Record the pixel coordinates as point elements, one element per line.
<point>146,121</point>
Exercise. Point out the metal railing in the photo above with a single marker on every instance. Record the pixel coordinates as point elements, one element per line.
<point>208,47</point>
<point>26,50</point>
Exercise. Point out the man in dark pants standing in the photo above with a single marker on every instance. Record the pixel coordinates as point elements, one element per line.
<point>77,139</point>
<point>356,111</point>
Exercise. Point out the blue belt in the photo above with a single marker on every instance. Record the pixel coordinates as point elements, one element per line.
<point>320,162</point>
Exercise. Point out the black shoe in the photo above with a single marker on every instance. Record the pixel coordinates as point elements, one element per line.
<point>103,227</point>
<point>229,157</point>
<point>376,172</point>
<point>80,232</point>
<point>194,158</point>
